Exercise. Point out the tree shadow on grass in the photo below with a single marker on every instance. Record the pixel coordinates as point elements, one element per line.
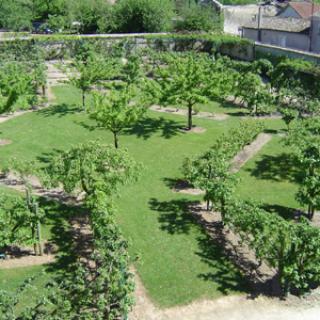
<point>231,268</point>
<point>47,156</point>
<point>146,127</point>
<point>176,183</point>
<point>175,218</point>
<point>60,110</point>
<point>285,212</point>
<point>174,215</point>
<point>63,235</point>
<point>278,168</point>
<point>222,271</point>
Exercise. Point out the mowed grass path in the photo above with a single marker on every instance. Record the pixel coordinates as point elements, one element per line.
<point>176,260</point>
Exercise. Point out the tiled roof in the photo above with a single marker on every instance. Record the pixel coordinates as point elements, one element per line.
<point>304,8</point>
<point>280,24</point>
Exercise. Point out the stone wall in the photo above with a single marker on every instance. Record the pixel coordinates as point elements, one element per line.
<point>264,50</point>
<point>59,48</point>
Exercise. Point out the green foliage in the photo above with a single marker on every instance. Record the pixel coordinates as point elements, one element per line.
<point>93,15</point>
<point>305,139</point>
<point>296,75</point>
<point>257,96</point>
<point>118,110</point>
<point>288,115</point>
<point>17,84</point>
<point>230,144</point>
<point>16,15</point>
<point>222,79</point>
<point>91,167</point>
<point>17,221</point>
<point>290,248</point>
<point>182,81</point>
<point>90,70</point>
<point>210,172</point>
<point>143,15</point>
<point>198,18</point>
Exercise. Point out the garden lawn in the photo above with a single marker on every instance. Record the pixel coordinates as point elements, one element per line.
<point>37,277</point>
<point>270,178</point>
<point>176,260</point>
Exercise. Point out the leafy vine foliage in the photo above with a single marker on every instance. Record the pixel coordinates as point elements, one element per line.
<point>100,286</point>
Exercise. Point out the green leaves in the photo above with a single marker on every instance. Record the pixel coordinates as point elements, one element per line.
<point>91,168</point>
<point>291,248</point>
<point>182,81</point>
<point>15,221</point>
<point>210,172</point>
<point>118,109</point>
<point>17,84</point>
<point>304,137</point>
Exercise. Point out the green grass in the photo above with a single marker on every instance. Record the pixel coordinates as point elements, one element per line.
<point>12,279</point>
<point>176,260</point>
<point>271,179</point>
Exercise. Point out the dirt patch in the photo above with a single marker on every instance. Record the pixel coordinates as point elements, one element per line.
<point>249,151</point>
<point>26,261</point>
<point>182,186</point>
<point>184,112</point>
<point>265,117</point>
<point>10,180</point>
<point>4,142</point>
<point>9,116</point>
<point>232,307</point>
<point>191,191</point>
<point>194,130</point>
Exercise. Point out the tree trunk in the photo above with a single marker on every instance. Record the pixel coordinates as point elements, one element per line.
<point>44,90</point>
<point>208,204</point>
<point>38,226</point>
<point>189,116</point>
<point>115,138</point>
<point>83,100</point>
<point>223,209</point>
<point>310,211</point>
<point>35,245</point>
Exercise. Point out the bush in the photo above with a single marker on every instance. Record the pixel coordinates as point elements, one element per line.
<point>143,15</point>
<point>198,18</point>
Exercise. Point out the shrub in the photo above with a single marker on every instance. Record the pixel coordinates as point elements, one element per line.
<point>143,15</point>
<point>198,18</point>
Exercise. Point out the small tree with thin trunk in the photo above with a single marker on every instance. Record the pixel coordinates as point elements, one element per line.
<point>288,115</point>
<point>90,168</point>
<point>117,110</point>
<point>304,137</point>
<point>16,83</point>
<point>92,69</point>
<point>85,77</point>
<point>256,95</point>
<point>211,173</point>
<point>309,191</point>
<point>25,171</point>
<point>184,82</point>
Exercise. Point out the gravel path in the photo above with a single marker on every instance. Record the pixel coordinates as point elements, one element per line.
<point>249,151</point>
<point>225,308</point>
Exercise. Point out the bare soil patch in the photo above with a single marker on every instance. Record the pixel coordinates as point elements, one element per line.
<point>12,181</point>
<point>249,151</point>
<point>182,186</point>
<point>26,261</point>
<point>194,130</point>
<point>237,307</point>
<point>4,142</point>
<point>184,112</point>
<point>9,116</point>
